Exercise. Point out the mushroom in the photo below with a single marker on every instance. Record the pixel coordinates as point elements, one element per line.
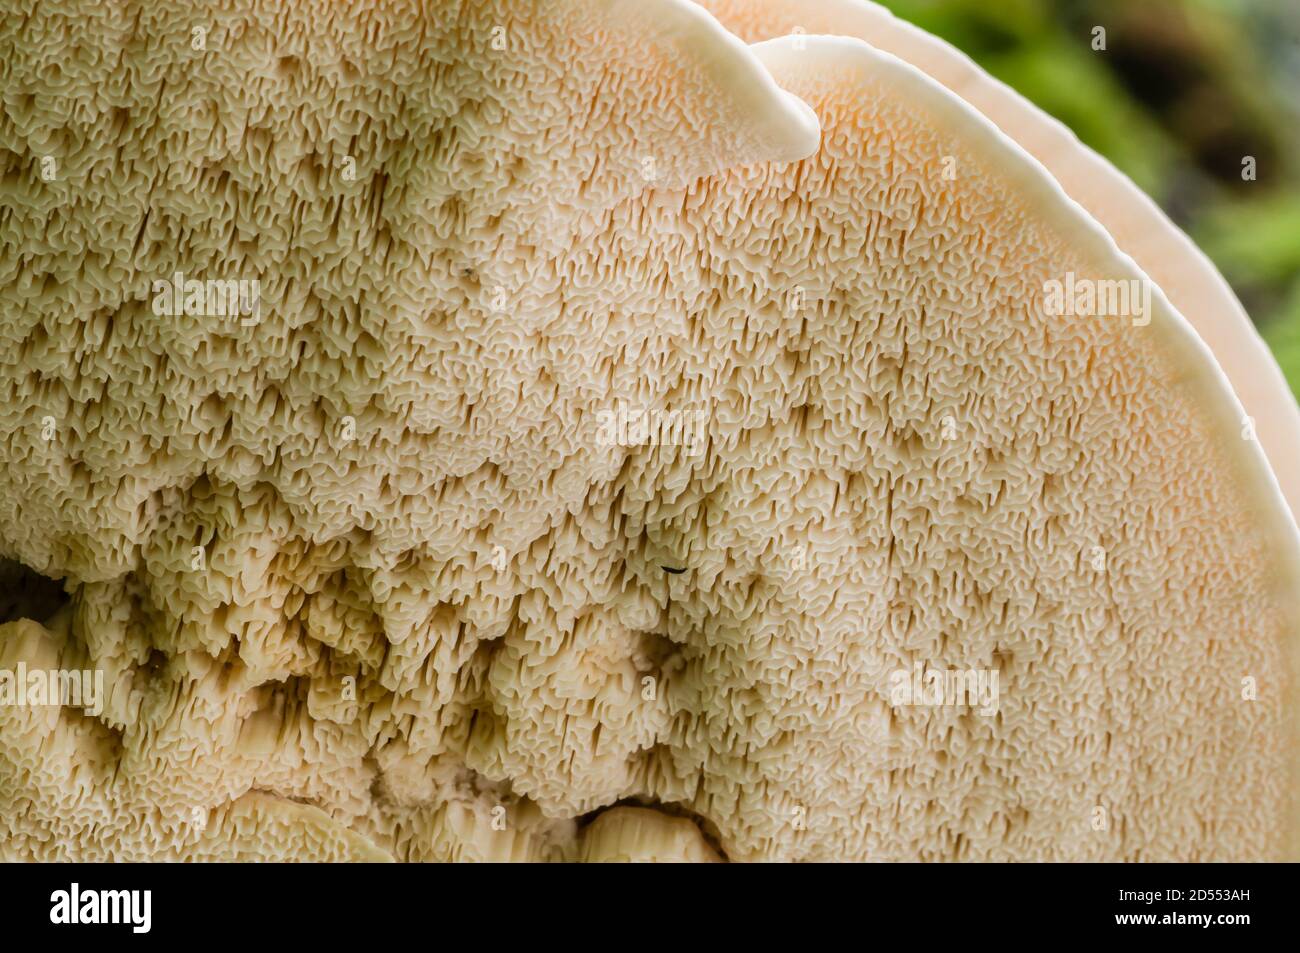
<point>299,373</point>
<point>1139,227</point>
<point>640,835</point>
<point>369,577</point>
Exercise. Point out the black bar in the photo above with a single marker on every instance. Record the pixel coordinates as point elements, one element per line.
<point>266,903</point>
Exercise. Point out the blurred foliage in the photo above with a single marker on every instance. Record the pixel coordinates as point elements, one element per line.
<point>1184,91</point>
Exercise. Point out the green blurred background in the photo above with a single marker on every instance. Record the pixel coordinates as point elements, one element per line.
<point>1183,92</point>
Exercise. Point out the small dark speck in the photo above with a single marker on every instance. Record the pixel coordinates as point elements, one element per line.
<point>672,569</point>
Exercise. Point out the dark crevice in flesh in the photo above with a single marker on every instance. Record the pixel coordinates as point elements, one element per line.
<point>26,594</point>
